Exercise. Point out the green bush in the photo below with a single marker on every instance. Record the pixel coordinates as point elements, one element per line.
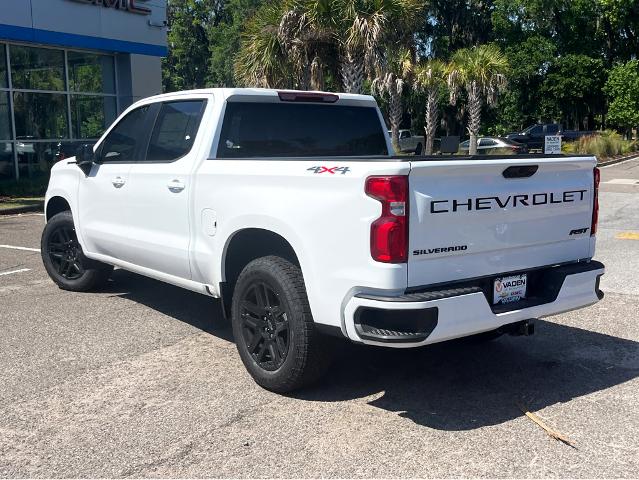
<point>25,187</point>
<point>603,145</point>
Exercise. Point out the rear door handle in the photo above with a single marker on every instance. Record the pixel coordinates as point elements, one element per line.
<point>176,186</point>
<point>118,182</point>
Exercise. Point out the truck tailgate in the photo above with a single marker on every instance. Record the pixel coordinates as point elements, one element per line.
<point>473,218</point>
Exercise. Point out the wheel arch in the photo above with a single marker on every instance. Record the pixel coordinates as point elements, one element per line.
<point>244,246</point>
<point>55,205</point>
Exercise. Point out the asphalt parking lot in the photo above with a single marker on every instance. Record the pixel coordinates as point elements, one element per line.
<point>143,379</point>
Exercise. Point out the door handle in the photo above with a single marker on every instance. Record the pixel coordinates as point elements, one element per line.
<point>176,186</point>
<point>118,182</point>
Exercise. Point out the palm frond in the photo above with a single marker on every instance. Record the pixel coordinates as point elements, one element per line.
<point>261,61</point>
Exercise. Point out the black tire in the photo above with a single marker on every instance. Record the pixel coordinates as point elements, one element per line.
<point>63,258</point>
<point>273,327</point>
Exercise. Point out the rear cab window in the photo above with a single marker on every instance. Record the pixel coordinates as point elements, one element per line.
<point>175,129</point>
<point>285,129</point>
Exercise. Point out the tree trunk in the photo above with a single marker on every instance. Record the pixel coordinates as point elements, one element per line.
<point>431,121</point>
<point>474,116</point>
<point>352,71</point>
<point>317,74</point>
<point>304,77</point>
<point>395,115</point>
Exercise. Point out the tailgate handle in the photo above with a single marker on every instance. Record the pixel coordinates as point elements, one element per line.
<point>520,171</point>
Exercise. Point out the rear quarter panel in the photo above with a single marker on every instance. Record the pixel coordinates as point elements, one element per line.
<point>325,217</point>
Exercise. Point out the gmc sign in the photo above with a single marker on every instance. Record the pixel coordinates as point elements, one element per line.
<point>126,5</point>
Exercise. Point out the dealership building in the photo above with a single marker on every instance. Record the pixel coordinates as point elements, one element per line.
<point>67,68</point>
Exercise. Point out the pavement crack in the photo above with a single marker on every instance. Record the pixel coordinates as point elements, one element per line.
<point>183,451</point>
<point>72,377</point>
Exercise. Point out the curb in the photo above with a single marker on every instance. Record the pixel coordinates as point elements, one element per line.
<point>617,160</point>
<point>38,207</point>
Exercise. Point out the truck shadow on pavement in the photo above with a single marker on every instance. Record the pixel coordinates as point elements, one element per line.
<point>460,386</point>
<point>189,307</point>
<point>452,386</point>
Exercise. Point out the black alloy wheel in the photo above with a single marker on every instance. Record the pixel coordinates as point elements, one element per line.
<point>64,259</point>
<point>65,253</point>
<point>273,327</point>
<point>265,326</point>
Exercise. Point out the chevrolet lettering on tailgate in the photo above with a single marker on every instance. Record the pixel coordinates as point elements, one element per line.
<point>524,200</point>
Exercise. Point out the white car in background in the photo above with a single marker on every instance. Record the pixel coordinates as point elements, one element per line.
<point>494,146</point>
<point>408,142</point>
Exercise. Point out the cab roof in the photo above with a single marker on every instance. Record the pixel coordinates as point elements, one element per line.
<point>267,93</point>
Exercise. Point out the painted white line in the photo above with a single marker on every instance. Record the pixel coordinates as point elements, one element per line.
<point>622,181</point>
<point>15,271</point>
<point>20,248</point>
<point>619,163</point>
<point>22,215</point>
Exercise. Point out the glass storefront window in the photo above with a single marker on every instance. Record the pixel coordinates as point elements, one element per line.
<point>46,94</point>
<point>37,68</point>
<point>5,117</point>
<point>91,115</point>
<point>35,159</point>
<point>40,115</point>
<point>7,170</point>
<point>3,67</point>
<point>91,73</point>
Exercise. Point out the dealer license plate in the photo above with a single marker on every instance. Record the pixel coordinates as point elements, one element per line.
<point>509,289</point>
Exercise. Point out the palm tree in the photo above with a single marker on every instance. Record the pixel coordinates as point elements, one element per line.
<point>298,34</point>
<point>262,61</point>
<point>363,29</point>
<point>397,66</point>
<point>431,77</point>
<point>306,34</point>
<point>481,71</point>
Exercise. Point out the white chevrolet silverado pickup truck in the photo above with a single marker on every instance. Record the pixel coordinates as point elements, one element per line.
<point>290,208</point>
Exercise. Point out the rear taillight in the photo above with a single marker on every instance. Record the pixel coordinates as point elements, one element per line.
<point>595,201</point>
<point>389,233</point>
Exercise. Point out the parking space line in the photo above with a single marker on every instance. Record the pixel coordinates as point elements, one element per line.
<point>22,215</point>
<point>15,271</point>
<point>628,236</point>
<point>622,181</point>
<point>20,248</point>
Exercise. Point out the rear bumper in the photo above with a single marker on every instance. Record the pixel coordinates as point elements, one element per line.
<point>453,311</point>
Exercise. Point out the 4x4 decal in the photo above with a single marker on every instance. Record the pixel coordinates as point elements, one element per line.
<point>330,170</point>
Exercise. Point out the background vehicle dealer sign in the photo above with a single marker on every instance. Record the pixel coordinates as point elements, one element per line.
<point>552,145</point>
<point>126,5</point>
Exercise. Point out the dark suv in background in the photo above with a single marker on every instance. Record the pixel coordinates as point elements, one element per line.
<point>534,136</point>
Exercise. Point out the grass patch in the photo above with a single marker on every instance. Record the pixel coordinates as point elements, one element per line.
<point>603,145</point>
<point>25,187</point>
<point>7,203</point>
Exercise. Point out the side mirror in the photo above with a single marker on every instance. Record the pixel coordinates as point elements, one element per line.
<point>85,158</point>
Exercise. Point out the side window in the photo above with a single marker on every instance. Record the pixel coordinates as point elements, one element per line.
<point>552,129</point>
<point>121,143</point>
<point>175,130</point>
<point>404,134</point>
<point>537,129</point>
<point>487,142</point>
